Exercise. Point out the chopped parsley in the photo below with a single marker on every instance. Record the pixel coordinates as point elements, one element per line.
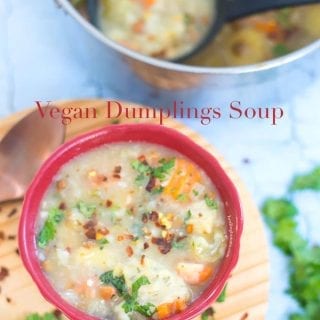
<point>304,259</point>
<point>188,216</point>
<point>130,300</point>
<point>223,295</point>
<point>195,192</point>
<point>144,170</point>
<point>46,316</point>
<point>280,50</point>
<point>86,209</point>
<point>310,181</point>
<point>182,197</point>
<point>161,171</point>
<point>102,242</point>
<point>48,231</point>
<point>211,203</point>
<point>208,314</point>
<point>178,245</point>
<point>157,190</point>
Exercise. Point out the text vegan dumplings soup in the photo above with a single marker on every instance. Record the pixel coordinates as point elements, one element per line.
<point>131,231</point>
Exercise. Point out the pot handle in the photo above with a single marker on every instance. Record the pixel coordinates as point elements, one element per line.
<point>241,8</point>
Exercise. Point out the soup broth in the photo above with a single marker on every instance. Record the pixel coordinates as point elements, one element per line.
<point>131,231</point>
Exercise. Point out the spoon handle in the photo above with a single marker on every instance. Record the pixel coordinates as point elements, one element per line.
<point>240,8</point>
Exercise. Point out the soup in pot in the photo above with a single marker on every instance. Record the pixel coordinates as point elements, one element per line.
<point>131,231</point>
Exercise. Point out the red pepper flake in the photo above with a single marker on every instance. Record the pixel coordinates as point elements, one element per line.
<point>12,237</point>
<point>245,316</point>
<point>108,203</point>
<point>90,224</point>
<point>8,299</point>
<point>164,245</point>
<point>17,251</point>
<point>146,245</point>
<point>117,169</point>
<point>12,212</point>
<point>154,216</point>
<point>62,206</point>
<point>116,176</point>
<point>90,233</point>
<point>151,184</point>
<point>2,235</point>
<point>142,259</point>
<point>144,218</point>
<point>129,251</point>
<point>4,273</point>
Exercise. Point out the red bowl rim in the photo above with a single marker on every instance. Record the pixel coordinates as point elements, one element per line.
<point>151,133</point>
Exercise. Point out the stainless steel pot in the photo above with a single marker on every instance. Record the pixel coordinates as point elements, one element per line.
<point>139,78</point>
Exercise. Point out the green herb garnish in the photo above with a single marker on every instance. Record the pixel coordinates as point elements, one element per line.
<point>102,242</point>
<point>178,245</point>
<point>310,181</point>
<point>211,203</point>
<point>157,190</point>
<point>304,259</point>
<point>46,316</point>
<point>182,197</point>
<point>223,295</point>
<point>208,314</point>
<point>86,209</point>
<point>48,231</point>
<point>130,300</point>
<point>280,50</point>
<point>195,192</point>
<point>118,282</point>
<point>188,216</point>
<point>144,170</point>
<point>161,171</point>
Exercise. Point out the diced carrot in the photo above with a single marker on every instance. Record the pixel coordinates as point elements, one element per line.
<point>267,27</point>
<point>138,26</point>
<point>195,273</point>
<point>183,178</point>
<point>180,305</point>
<point>148,3</point>
<point>107,292</point>
<point>189,228</point>
<point>164,310</point>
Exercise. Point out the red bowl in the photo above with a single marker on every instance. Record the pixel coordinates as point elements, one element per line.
<point>123,133</point>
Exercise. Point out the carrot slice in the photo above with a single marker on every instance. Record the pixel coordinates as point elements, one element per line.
<point>183,178</point>
<point>107,292</point>
<point>164,310</point>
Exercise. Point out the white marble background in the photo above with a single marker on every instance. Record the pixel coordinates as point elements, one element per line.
<point>38,61</point>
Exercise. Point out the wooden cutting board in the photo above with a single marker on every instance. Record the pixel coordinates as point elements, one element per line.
<point>247,293</point>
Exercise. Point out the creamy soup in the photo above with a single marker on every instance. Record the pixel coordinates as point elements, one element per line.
<point>131,231</point>
<point>159,28</point>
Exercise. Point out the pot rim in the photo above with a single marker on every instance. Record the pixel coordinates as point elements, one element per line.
<point>130,132</point>
<point>178,67</point>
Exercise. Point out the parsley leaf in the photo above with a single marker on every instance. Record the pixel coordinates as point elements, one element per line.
<point>211,203</point>
<point>223,295</point>
<point>46,316</point>
<point>130,304</point>
<point>189,216</point>
<point>208,314</point>
<point>118,282</point>
<point>161,171</point>
<point>86,209</point>
<point>304,259</point>
<point>48,231</point>
<point>310,181</point>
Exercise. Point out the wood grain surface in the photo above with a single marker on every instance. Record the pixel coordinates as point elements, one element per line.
<point>247,293</point>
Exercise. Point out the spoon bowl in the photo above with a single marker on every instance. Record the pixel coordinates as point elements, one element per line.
<point>22,151</point>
